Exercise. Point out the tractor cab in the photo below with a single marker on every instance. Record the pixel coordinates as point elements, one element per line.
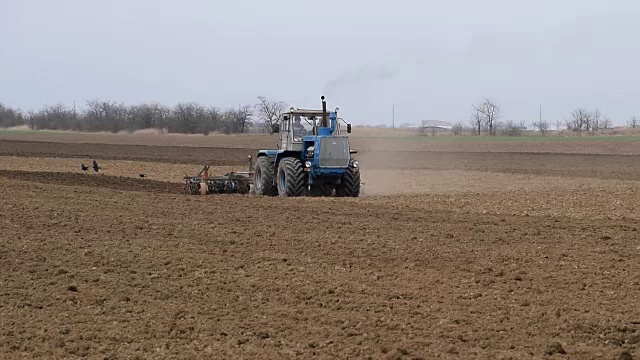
<point>302,126</point>
<point>296,124</point>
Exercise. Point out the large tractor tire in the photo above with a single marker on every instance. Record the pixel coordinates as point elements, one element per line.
<point>350,184</point>
<point>291,176</point>
<point>263,177</point>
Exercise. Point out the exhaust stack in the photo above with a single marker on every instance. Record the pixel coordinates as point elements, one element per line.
<point>325,120</point>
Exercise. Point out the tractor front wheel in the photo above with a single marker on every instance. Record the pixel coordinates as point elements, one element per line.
<point>263,177</point>
<point>290,177</point>
<point>350,184</point>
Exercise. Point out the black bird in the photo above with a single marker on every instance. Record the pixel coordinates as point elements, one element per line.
<point>84,167</point>
<point>95,166</point>
<point>142,175</point>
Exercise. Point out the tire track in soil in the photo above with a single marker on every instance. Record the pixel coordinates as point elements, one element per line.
<point>103,181</point>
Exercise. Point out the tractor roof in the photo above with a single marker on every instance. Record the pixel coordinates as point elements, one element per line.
<point>306,112</point>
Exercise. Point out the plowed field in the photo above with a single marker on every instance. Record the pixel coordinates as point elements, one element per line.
<point>449,254</point>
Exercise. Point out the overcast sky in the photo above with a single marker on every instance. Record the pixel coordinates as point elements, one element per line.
<point>432,59</point>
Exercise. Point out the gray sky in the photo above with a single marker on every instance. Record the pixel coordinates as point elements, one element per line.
<point>433,59</point>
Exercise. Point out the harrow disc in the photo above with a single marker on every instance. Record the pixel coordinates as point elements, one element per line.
<point>229,183</point>
<point>193,188</point>
<point>243,187</point>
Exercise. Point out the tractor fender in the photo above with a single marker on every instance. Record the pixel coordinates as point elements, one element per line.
<point>268,153</point>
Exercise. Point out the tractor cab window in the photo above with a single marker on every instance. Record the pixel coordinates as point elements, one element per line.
<point>302,126</point>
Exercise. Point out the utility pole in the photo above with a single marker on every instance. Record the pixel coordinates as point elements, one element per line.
<point>540,114</point>
<point>393,116</point>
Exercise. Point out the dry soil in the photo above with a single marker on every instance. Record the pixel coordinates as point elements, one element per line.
<point>512,255</point>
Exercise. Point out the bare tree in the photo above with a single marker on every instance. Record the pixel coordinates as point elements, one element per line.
<point>57,117</point>
<point>243,119</point>
<point>10,117</point>
<point>95,116</point>
<point>237,120</point>
<point>106,116</point>
<point>213,120</point>
<point>116,114</point>
<point>188,118</point>
<point>596,121</point>
<point>569,124</point>
<point>581,120</point>
<point>31,119</point>
<point>228,121</point>
<point>148,116</point>
<point>600,121</point>
<point>633,122</point>
<point>490,111</point>
<point>270,112</point>
<point>111,116</point>
<point>162,117</point>
<point>511,128</point>
<point>457,128</point>
<point>141,117</point>
<point>477,120</point>
<point>558,124</point>
<point>542,126</point>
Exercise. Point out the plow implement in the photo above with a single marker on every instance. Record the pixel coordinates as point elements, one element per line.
<point>234,182</point>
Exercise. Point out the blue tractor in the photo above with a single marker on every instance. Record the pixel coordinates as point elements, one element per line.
<point>313,157</point>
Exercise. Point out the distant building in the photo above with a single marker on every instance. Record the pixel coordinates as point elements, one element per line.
<point>436,124</point>
<point>434,127</point>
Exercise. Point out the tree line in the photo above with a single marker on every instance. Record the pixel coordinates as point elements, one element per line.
<point>193,118</point>
<point>185,118</point>
<point>487,115</point>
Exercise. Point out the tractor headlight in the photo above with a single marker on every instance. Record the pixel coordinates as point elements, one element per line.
<point>307,164</point>
<point>355,164</point>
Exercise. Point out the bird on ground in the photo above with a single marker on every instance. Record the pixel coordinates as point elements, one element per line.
<point>142,175</point>
<point>95,166</point>
<point>84,167</point>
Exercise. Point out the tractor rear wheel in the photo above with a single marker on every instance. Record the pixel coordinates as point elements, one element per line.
<point>263,177</point>
<point>350,184</point>
<point>290,177</point>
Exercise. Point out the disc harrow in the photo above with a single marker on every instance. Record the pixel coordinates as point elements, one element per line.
<point>234,182</point>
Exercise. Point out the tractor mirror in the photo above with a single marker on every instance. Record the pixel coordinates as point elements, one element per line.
<point>275,128</point>
<point>348,128</point>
